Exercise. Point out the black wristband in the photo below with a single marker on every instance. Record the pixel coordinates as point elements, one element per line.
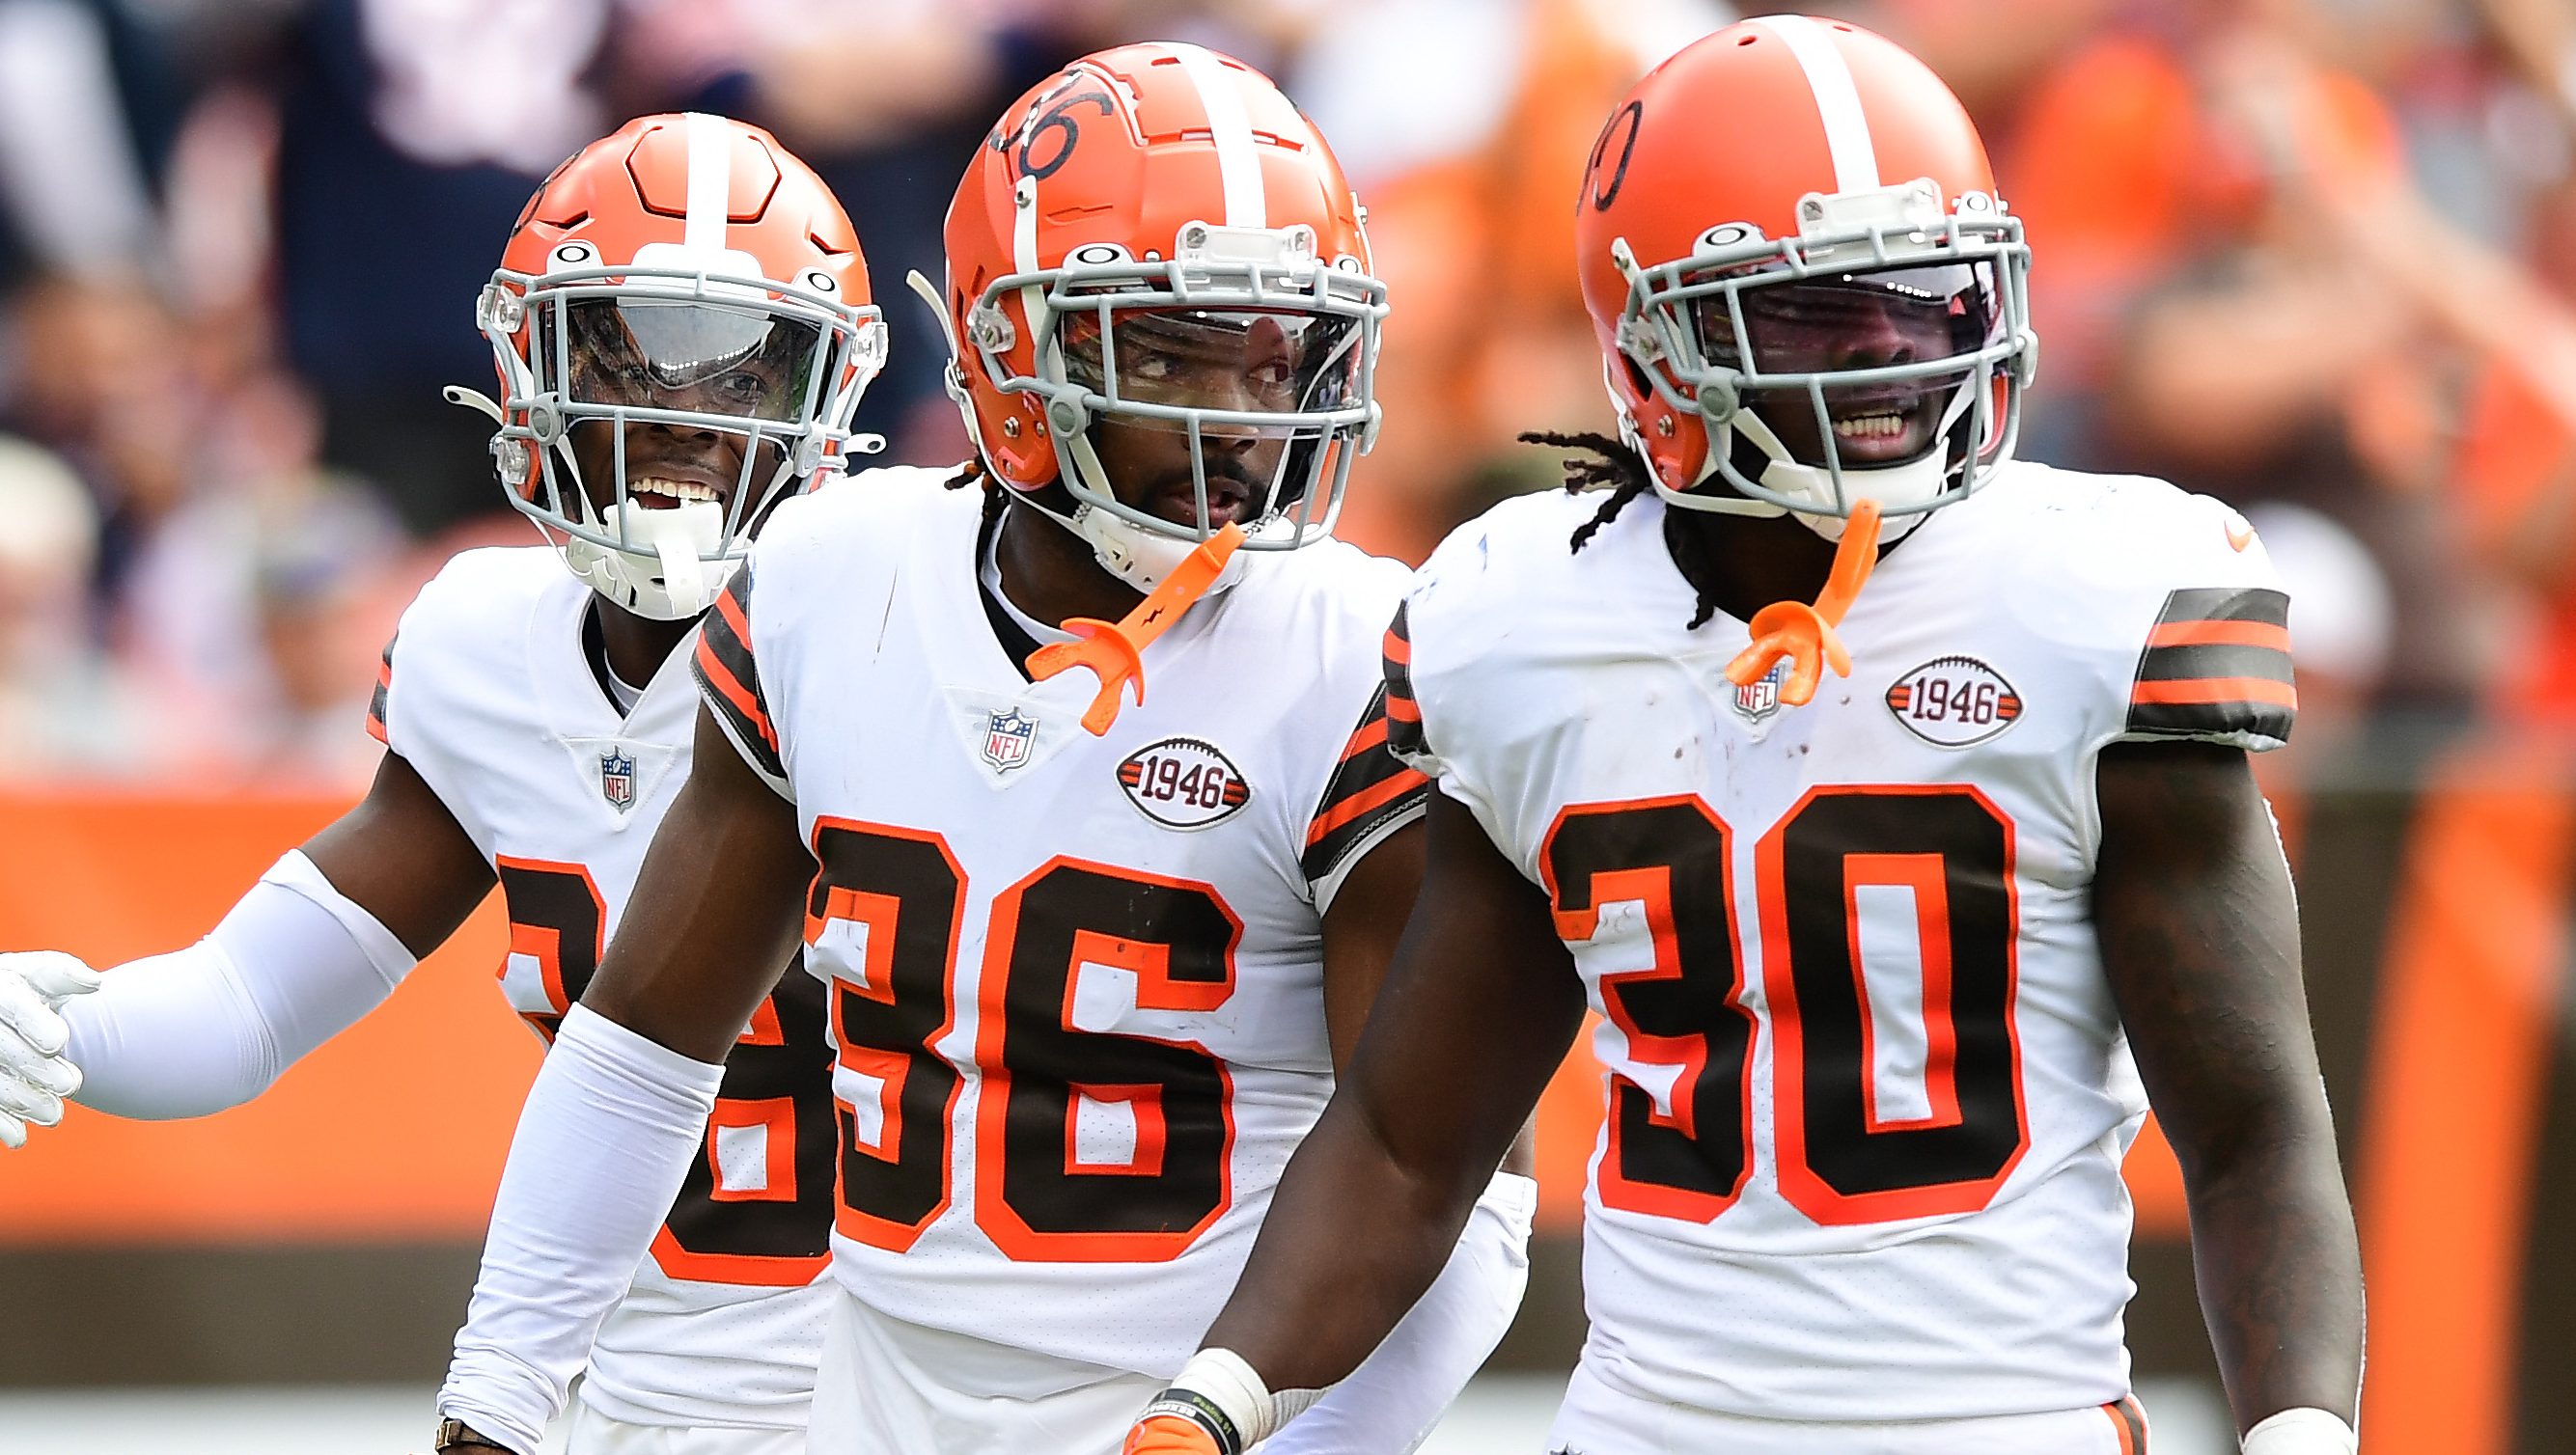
<point>1201,1411</point>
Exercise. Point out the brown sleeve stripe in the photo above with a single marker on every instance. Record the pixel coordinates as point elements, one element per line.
<point>1404,715</point>
<point>732,679</point>
<point>2217,664</point>
<point>1368,786</point>
<point>2182,664</point>
<point>727,635</point>
<point>2217,689</point>
<point>376,705</point>
<point>2227,603</point>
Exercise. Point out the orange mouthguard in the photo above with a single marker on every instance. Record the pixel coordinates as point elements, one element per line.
<point>1805,634</point>
<point>1115,650</point>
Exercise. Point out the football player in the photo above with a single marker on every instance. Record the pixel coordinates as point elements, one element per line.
<point>682,326</point>
<point>1898,909</point>
<point>1094,946</point>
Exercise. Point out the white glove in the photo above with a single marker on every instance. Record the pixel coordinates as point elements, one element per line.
<point>34,1076</point>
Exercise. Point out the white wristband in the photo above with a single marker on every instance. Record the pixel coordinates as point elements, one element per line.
<point>1220,1380</point>
<point>2304,1431</point>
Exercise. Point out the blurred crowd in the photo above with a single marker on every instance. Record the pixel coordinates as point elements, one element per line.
<point>2317,257</point>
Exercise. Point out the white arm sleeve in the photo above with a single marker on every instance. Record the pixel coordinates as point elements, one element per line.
<point>1411,1380</point>
<point>602,1147</point>
<point>211,1026</point>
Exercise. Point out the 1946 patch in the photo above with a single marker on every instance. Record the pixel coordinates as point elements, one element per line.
<point>1183,783</point>
<point>1954,702</point>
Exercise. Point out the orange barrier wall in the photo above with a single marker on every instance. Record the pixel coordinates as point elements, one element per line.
<point>395,1130</point>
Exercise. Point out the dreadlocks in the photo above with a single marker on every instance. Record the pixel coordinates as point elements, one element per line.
<point>997,497</point>
<point>1602,461</point>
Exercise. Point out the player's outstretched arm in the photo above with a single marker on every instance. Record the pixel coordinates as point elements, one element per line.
<point>624,1095</point>
<point>2200,937</point>
<point>1474,1016</point>
<point>323,937</point>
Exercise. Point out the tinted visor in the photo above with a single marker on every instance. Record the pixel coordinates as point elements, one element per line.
<point>1236,361</point>
<point>1892,316</point>
<point>705,358</point>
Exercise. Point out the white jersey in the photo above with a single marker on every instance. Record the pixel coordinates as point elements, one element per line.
<point>489,695</point>
<point>1868,1091</point>
<point>1077,980</point>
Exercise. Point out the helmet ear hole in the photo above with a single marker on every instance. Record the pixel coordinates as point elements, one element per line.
<point>1638,384</point>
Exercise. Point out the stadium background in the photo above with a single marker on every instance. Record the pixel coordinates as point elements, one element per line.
<point>2315,256</point>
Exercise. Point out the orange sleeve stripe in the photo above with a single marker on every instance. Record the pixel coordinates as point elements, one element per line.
<point>2216,689</point>
<point>732,611</point>
<point>1398,650</point>
<point>2220,634</point>
<point>743,702</point>
<point>1403,709</point>
<point>1367,799</point>
<point>376,730</point>
<point>1372,734</point>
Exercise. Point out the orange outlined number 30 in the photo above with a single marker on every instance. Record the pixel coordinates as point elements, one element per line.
<point>1841,1160</point>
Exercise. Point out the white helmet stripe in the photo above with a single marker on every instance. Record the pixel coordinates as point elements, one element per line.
<point>1237,159</point>
<point>710,183</point>
<point>1837,98</point>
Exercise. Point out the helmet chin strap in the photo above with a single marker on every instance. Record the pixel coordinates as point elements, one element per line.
<point>678,538</point>
<point>664,573</point>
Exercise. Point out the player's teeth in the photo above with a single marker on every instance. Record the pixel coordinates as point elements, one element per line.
<point>676,489</point>
<point>1869,426</point>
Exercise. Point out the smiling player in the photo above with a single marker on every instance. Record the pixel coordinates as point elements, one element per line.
<point>682,327</point>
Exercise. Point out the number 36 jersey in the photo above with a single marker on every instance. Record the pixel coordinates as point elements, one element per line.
<point>488,694</point>
<point>1077,982</point>
<point>1868,1093</point>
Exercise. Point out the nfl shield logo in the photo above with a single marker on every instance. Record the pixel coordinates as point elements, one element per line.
<point>1761,698</point>
<point>617,779</point>
<point>1006,739</point>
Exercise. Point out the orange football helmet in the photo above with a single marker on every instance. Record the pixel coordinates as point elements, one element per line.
<point>1155,239</point>
<point>1805,287</point>
<point>687,271</point>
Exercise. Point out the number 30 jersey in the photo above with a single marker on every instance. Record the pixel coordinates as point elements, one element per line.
<point>1077,981</point>
<point>1868,1093</point>
<point>489,695</point>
